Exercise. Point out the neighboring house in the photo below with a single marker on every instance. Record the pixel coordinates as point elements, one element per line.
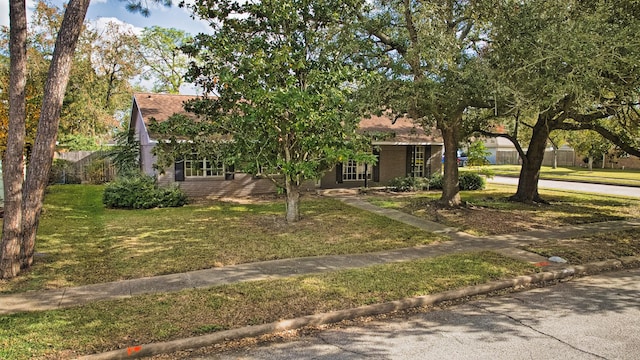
<point>503,152</point>
<point>402,149</point>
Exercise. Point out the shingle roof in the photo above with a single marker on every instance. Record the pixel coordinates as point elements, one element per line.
<point>160,106</point>
<point>402,131</point>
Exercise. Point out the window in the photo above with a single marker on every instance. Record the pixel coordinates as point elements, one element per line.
<point>194,167</point>
<point>353,171</point>
<point>418,162</point>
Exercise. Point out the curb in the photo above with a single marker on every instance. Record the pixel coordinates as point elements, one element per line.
<point>139,351</point>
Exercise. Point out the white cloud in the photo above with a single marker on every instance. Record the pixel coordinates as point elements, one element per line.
<point>101,23</point>
<point>4,12</point>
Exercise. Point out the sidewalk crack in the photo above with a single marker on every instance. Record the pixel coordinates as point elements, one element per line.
<point>518,321</point>
<point>64,292</point>
<point>342,348</point>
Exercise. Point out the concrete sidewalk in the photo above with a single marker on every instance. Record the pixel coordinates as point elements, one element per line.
<point>460,242</point>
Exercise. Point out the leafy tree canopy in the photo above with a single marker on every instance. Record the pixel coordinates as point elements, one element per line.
<point>430,56</point>
<point>568,65</point>
<point>282,86</point>
<point>163,59</point>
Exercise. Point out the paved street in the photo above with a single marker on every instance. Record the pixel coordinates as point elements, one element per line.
<point>595,317</point>
<point>575,186</point>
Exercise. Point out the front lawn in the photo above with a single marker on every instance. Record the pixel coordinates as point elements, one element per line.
<point>80,242</point>
<point>489,212</point>
<point>109,325</point>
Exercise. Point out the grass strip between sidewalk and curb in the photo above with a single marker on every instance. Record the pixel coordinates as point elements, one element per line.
<point>108,325</point>
<point>368,310</point>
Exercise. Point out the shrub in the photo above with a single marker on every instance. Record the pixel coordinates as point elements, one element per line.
<point>403,184</point>
<point>471,181</point>
<point>141,192</point>
<point>435,182</point>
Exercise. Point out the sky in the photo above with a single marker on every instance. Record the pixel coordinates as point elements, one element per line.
<point>102,11</point>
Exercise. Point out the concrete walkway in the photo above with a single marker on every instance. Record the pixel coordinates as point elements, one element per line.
<point>460,242</point>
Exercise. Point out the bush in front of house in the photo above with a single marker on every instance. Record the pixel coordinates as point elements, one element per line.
<point>141,192</point>
<point>471,181</point>
<point>467,181</point>
<point>404,184</point>
<point>435,181</point>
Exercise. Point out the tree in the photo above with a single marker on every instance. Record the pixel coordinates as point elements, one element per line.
<point>590,144</point>
<point>477,154</point>
<point>98,86</point>
<point>557,139</point>
<point>430,57</point>
<point>114,58</point>
<point>95,92</point>
<point>573,65</point>
<point>23,205</point>
<point>12,160</point>
<point>283,89</point>
<point>164,61</point>
<point>33,99</point>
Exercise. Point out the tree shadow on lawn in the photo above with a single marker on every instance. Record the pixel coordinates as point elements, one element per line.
<point>493,214</point>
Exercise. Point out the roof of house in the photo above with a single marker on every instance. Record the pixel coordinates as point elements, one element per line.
<point>160,106</point>
<point>401,132</point>
<point>385,131</point>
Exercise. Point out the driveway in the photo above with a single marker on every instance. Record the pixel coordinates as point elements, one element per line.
<point>575,186</point>
<point>594,317</point>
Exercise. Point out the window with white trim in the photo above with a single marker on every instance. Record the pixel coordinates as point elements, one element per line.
<point>353,171</point>
<point>195,167</point>
<point>418,161</point>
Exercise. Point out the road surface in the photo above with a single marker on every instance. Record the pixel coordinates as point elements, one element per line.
<point>575,186</point>
<point>594,317</point>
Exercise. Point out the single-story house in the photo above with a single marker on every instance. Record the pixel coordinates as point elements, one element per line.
<point>403,150</point>
<point>503,152</point>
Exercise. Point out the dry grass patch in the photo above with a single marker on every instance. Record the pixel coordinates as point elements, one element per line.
<point>593,248</point>
<point>489,212</point>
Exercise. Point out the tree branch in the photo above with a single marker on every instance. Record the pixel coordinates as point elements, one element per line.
<point>616,139</point>
<point>513,140</point>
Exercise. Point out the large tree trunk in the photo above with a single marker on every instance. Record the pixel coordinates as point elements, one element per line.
<point>450,190</point>
<point>44,147</point>
<point>532,162</point>
<point>13,159</point>
<point>293,200</point>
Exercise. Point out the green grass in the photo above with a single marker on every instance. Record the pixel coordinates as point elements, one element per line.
<point>80,242</point>
<point>108,325</point>
<point>629,177</point>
